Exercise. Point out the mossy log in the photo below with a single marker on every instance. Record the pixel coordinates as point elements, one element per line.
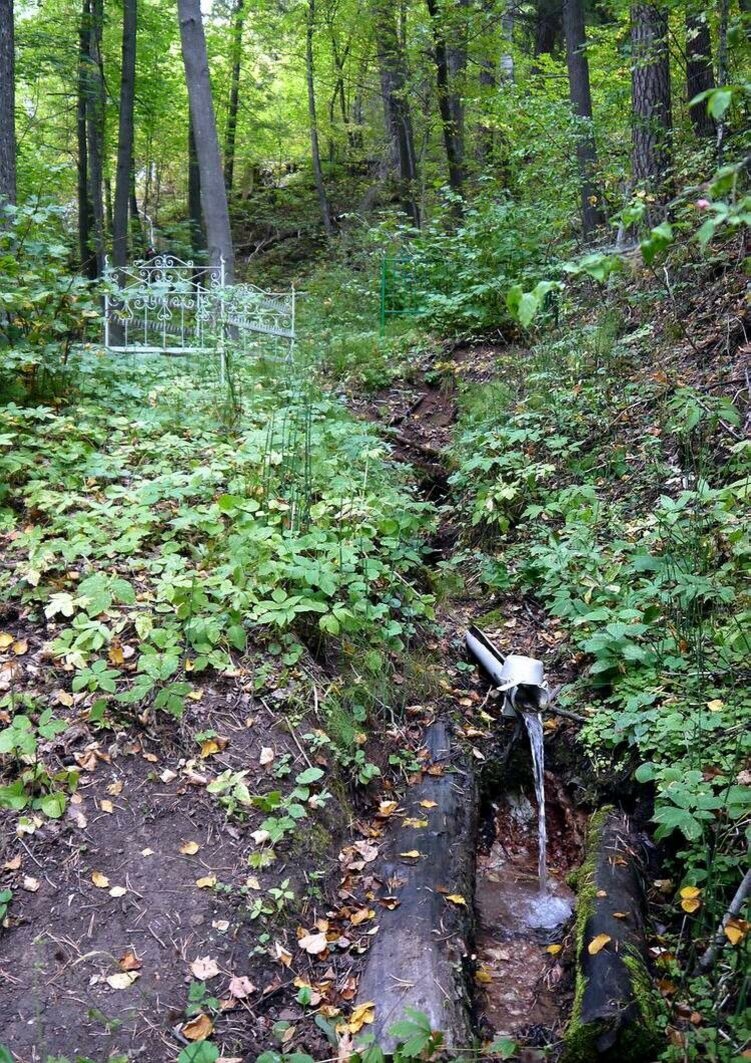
<point>419,958</point>
<point>615,1006</point>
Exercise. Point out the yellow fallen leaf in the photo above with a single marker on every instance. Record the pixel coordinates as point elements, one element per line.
<point>457,899</point>
<point>716,705</point>
<point>362,916</point>
<point>554,949</point>
<point>118,891</point>
<point>100,881</point>
<point>20,647</point>
<point>210,747</point>
<point>198,1029</point>
<point>115,654</point>
<point>597,944</point>
<point>428,804</point>
<point>64,698</point>
<point>386,809</point>
<point>736,929</point>
<point>107,806</point>
<point>621,915</point>
<point>189,848</point>
<point>115,788</point>
<point>206,882</point>
<point>483,976</point>
<point>6,640</point>
<point>690,892</point>
<point>362,1015</point>
<point>416,824</point>
<point>411,854</point>
<point>313,943</point>
<point>122,980</point>
<point>129,961</point>
<point>690,901</point>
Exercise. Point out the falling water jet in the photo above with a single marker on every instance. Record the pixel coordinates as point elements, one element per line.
<point>533,723</point>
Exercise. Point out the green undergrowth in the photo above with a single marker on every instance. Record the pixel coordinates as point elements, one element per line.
<point>162,528</point>
<point>618,497</point>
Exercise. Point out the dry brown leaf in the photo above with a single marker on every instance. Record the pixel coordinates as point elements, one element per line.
<point>602,893</point>
<point>736,929</point>
<point>115,654</point>
<point>241,987</point>
<point>361,916</point>
<point>30,884</point>
<point>386,809</point>
<point>13,864</point>
<point>189,848</point>
<point>107,806</point>
<point>198,1029</point>
<point>267,756</point>
<point>206,882</point>
<point>100,881</point>
<point>284,956</point>
<point>203,968</point>
<point>115,788</point>
<point>118,891</point>
<point>597,944</point>
<point>129,961</point>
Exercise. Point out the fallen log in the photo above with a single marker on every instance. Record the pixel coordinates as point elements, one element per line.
<point>420,956</point>
<point>614,1012</point>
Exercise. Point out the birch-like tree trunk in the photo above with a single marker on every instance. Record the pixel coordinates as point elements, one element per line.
<point>124,174</point>
<point>213,190</point>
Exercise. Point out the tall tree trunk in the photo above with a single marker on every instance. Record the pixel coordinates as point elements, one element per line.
<point>548,26</point>
<point>315,150</point>
<point>7,104</point>
<point>134,222</point>
<point>507,32</point>
<point>394,87</point>
<point>234,96</point>
<point>699,73</point>
<point>449,105</point>
<point>581,102</point>
<point>85,212</point>
<point>213,191</point>
<point>197,235</point>
<point>722,71</point>
<point>95,103</point>
<point>650,97</point>
<point>124,174</point>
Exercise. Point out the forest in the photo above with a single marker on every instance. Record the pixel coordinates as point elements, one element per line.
<point>375,531</point>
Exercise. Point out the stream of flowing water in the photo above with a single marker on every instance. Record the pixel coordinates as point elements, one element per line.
<point>533,723</point>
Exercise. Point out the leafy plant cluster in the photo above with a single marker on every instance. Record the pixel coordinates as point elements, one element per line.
<point>139,526</point>
<point>33,787</point>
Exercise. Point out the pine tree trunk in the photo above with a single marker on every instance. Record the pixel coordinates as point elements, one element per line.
<point>699,73</point>
<point>394,88</point>
<point>85,213</point>
<point>650,97</point>
<point>95,103</point>
<point>581,102</point>
<point>234,97</point>
<point>449,105</point>
<point>123,179</point>
<point>323,201</point>
<point>7,105</point>
<point>213,191</point>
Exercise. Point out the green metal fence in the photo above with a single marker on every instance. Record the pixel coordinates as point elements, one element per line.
<point>399,289</point>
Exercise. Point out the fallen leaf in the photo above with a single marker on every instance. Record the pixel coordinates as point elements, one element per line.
<point>118,891</point>
<point>241,987</point>
<point>115,654</point>
<point>168,775</point>
<point>267,756</point>
<point>416,824</point>
<point>735,930</point>
<point>198,1029</point>
<point>123,980</point>
<point>411,854</point>
<point>213,745</point>
<point>20,647</point>
<point>206,882</point>
<point>64,698</point>
<point>13,864</point>
<point>284,956</point>
<point>428,804</point>
<point>147,852</point>
<point>361,916</point>
<point>457,899</point>
<point>189,848</point>
<point>690,901</point>
<point>483,976</point>
<point>602,893</point>
<point>6,640</point>
<point>222,925</point>
<point>115,788</point>
<point>386,809</point>
<point>203,968</point>
<point>100,881</point>
<point>107,806</point>
<point>390,902</point>
<point>597,944</point>
<point>129,961</point>
<point>151,757</point>
<point>621,915</point>
<point>554,949</point>
<point>716,705</point>
<point>30,884</point>
<point>313,943</point>
<point>362,1015</point>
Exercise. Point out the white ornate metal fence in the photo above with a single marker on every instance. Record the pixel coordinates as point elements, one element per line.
<point>167,306</point>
